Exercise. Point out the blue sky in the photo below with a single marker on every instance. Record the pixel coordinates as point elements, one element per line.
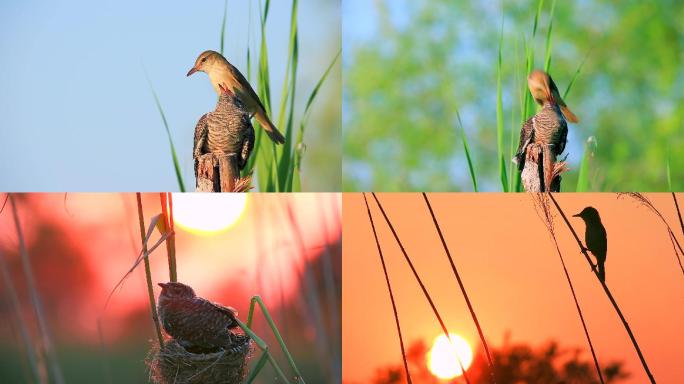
<point>76,112</point>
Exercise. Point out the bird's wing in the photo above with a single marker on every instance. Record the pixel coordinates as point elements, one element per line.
<point>230,311</point>
<point>246,86</point>
<point>602,249</point>
<point>247,144</point>
<point>526,137</point>
<point>563,137</point>
<point>201,130</point>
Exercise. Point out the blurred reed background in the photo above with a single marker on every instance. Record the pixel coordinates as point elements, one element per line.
<point>436,92</point>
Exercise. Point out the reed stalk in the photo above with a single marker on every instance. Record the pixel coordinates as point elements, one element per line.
<point>420,282</point>
<point>46,340</point>
<point>148,272</point>
<point>389,288</point>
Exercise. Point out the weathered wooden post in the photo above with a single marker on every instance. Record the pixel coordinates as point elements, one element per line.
<point>532,176</point>
<point>218,172</point>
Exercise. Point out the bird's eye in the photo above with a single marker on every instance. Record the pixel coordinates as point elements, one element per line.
<point>204,59</point>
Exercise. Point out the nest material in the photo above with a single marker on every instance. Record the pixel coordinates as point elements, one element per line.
<point>174,364</point>
<point>533,175</point>
<point>243,184</point>
<point>219,172</point>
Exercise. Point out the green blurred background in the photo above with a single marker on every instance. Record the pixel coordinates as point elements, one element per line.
<point>410,65</point>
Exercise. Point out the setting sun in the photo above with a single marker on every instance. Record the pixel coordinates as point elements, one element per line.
<point>207,213</point>
<point>443,356</point>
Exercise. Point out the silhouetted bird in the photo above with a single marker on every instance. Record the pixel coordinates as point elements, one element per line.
<point>595,238</point>
<point>195,323</point>
<point>220,71</point>
<point>226,130</point>
<point>548,127</point>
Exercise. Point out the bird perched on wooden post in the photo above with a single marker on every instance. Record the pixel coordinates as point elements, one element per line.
<point>226,130</point>
<point>220,71</point>
<point>547,127</point>
<point>198,325</point>
<point>596,239</point>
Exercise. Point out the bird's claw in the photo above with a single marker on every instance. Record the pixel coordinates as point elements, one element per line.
<point>224,88</point>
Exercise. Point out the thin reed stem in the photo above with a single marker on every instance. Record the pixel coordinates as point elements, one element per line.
<point>679,213</point>
<point>579,310</point>
<point>48,347</point>
<point>389,288</point>
<point>420,282</point>
<point>463,290</point>
<point>607,291</point>
<point>148,273</point>
<point>166,201</point>
<point>23,329</point>
<point>674,247</point>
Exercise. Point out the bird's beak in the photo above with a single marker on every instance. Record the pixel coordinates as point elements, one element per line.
<point>162,285</point>
<point>577,215</point>
<point>191,71</point>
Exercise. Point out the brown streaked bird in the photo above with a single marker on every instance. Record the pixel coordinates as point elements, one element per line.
<point>543,88</point>
<point>195,323</point>
<point>226,130</point>
<point>596,239</point>
<point>220,71</point>
<point>548,127</point>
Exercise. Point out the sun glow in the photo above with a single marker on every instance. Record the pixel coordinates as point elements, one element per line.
<point>444,355</point>
<point>206,213</point>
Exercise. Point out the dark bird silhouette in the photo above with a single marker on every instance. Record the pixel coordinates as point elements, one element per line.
<point>227,130</point>
<point>195,323</point>
<point>547,128</point>
<point>595,238</point>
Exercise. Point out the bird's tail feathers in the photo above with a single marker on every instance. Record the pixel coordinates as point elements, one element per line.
<point>569,116</point>
<point>602,272</point>
<point>270,129</point>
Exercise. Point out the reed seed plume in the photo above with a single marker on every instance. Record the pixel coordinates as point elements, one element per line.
<point>389,288</point>
<point>643,200</point>
<point>607,292</point>
<point>420,282</point>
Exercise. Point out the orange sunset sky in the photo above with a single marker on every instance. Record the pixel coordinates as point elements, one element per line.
<point>514,278</point>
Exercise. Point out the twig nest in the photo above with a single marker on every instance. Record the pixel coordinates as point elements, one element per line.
<point>174,364</point>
